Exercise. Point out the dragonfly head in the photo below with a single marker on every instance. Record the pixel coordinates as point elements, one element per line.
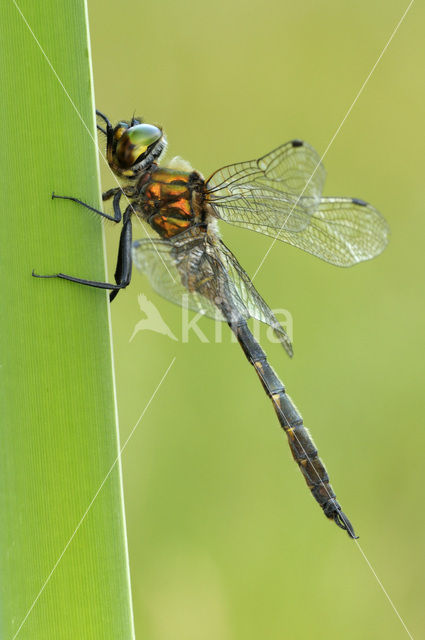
<point>133,147</point>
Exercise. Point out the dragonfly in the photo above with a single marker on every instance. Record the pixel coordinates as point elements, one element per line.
<point>187,262</point>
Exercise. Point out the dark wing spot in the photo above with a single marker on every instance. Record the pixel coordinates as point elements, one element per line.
<point>297,143</point>
<point>360,203</point>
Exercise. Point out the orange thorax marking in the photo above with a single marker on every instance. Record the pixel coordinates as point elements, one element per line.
<point>167,202</point>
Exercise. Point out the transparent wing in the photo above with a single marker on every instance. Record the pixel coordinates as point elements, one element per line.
<point>250,301</point>
<point>265,196</point>
<point>157,260</point>
<point>193,276</point>
<point>263,192</point>
<point>343,231</point>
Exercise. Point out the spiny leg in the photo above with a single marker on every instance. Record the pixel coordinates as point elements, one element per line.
<point>124,260</point>
<point>116,193</point>
<point>123,268</point>
<point>104,118</point>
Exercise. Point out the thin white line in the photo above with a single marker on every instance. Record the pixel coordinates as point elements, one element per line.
<point>93,499</point>
<point>333,138</point>
<point>255,274</point>
<point>140,222</point>
<point>112,364</point>
<point>383,589</point>
<point>277,236</point>
<point>53,70</point>
<point>92,137</point>
<point>279,409</point>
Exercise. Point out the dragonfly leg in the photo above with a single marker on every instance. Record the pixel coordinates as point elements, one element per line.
<point>104,118</point>
<point>123,268</point>
<point>117,193</point>
<point>124,260</point>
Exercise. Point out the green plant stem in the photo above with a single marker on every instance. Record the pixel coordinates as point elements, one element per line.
<point>63,557</point>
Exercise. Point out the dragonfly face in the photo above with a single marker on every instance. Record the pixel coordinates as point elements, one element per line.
<point>133,147</point>
<point>280,195</point>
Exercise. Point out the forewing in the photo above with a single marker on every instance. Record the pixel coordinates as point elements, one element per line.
<point>285,184</point>
<point>265,196</point>
<point>342,231</point>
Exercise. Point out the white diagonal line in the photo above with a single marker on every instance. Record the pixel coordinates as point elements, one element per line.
<point>255,274</point>
<point>278,409</point>
<point>277,236</point>
<point>383,589</point>
<point>91,135</point>
<point>334,136</point>
<point>283,225</point>
<point>92,501</point>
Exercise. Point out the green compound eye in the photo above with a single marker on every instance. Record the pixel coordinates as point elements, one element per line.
<point>144,134</point>
<point>135,142</point>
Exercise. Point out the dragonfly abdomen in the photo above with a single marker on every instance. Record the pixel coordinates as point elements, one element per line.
<point>300,442</point>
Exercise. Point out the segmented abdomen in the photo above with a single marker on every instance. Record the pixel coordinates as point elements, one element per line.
<point>301,444</point>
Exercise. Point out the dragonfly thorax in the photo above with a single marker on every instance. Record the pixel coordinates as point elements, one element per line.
<point>170,200</point>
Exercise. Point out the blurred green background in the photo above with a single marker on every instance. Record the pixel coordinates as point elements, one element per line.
<point>225,540</point>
